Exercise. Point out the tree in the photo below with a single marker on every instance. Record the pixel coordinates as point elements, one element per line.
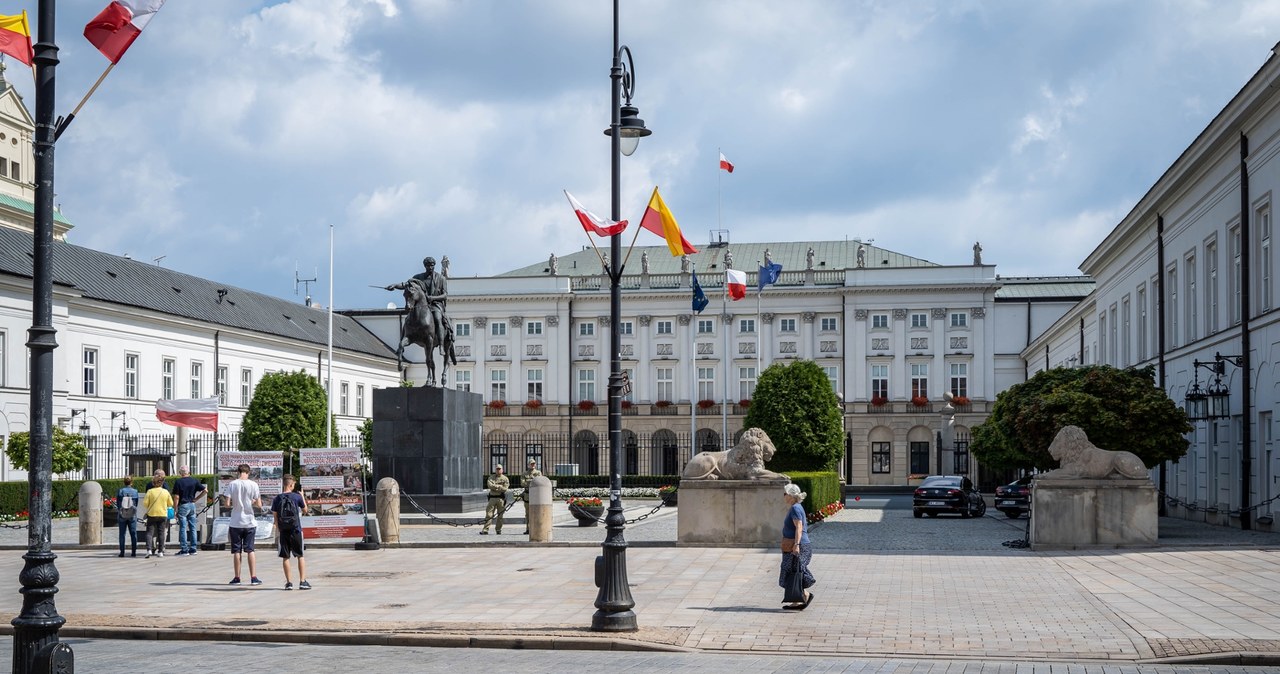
<point>797,407</point>
<point>366,439</point>
<point>69,453</point>
<point>1117,409</point>
<point>287,413</point>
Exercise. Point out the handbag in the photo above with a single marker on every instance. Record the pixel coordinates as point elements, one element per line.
<point>788,544</point>
<point>794,590</point>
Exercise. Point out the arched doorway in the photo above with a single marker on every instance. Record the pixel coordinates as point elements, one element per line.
<point>707,441</point>
<point>630,453</point>
<point>665,453</point>
<point>586,452</point>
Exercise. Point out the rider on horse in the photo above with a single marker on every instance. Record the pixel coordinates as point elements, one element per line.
<point>435,292</point>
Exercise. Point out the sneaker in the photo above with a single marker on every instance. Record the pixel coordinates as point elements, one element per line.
<point>235,581</point>
<point>288,586</point>
<point>122,553</point>
<point>181,554</point>
<point>484,533</point>
<point>193,552</point>
<point>148,556</point>
<point>255,581</point>
<point>159,554</point>
<point>304,585</point>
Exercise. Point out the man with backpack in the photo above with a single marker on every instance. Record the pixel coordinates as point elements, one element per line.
<point>127,514</point>
<point>288,507</point>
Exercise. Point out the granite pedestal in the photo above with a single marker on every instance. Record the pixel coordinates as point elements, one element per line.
<point>428,439</point>
<point>1078,514</point>
<point>731,512</point>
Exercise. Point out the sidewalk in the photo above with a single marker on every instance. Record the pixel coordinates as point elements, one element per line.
<point>1209,595</point>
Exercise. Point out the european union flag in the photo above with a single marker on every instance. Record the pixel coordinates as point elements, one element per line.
<point>700,300</point>
<point>769,274</point>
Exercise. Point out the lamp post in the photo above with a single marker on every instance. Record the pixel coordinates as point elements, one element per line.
<point>35,630</point>
<point>613,602</point>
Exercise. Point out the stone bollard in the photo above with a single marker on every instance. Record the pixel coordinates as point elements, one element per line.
<point>388,509</point>
<point>538,509</point>
<point>90,513</point>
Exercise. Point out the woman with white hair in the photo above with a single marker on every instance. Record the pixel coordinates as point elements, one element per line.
<point>795,545</point>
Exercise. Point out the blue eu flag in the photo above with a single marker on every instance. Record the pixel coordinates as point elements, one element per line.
<point>699,298</point>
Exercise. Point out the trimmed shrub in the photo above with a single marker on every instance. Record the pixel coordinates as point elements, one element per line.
<point>66,493</point>
<point>823,489</point>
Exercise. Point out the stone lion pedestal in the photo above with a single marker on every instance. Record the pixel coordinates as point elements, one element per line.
<point>1074,514</point>
<point>731,512</point>
<point>1097,498</point>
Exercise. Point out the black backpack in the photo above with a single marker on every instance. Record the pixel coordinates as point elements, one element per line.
<point>290,519</point>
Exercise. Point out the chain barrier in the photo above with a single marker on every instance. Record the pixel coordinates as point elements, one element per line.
<point>463,525</point>
<point>1194,507</point>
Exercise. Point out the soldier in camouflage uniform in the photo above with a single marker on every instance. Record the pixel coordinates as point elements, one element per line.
<point>498,484</point>
<point>529,473</point>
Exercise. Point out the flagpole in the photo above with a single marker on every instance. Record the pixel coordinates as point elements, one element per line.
<point>693,390</point>
<point>328,421</point>
<point>759,328</point>
<point>718,176</point>
<point>62,125</point>
<point>724,409</point>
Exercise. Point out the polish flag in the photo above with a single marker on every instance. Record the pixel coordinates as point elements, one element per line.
<point>592,223</point>
<point>198,413</point>
<point>724,163</point>
<point>736,284</point>
<point>117,26</point>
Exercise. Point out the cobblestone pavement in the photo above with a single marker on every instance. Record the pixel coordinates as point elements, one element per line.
<point>114,655</point>
<point>889,585</point>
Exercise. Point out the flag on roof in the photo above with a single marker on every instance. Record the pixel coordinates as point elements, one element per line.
<point>724,163</point>
<point>736,283</point>
<point>659,220</point>
<point>198,413</point>
<point>15,37</point>
<point>769,274</point>
<point>117,26</point>
<point>594,223</point>
<point>699,298</point>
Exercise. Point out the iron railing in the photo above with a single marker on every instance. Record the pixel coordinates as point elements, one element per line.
<point>109,455</point>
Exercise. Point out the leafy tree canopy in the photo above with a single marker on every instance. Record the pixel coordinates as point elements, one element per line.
<point>366,439</point>
<point>69,452</point>
<point>797,407</point>
<point>287,413</point>
<point>1117,409</point>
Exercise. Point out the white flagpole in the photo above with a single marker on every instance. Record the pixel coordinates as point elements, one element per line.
<point>759,329</point>
<point>724,409</point>
<point>718,176</point>
<point>328,420</point>
<point>693,385</point>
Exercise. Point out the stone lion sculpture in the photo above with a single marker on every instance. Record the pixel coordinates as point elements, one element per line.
<point>1079,459</point>
<point>745,461</point>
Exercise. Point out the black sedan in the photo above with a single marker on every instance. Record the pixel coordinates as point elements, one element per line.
<point>1014,499</point>
<point>948,494</point>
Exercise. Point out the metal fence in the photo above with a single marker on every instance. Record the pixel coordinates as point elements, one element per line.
<point>587,453</point>
<point>117,455</point>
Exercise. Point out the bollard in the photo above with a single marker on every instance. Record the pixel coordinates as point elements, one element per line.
<point>388,509</point>
<point>90,513</point>
<point>538,509</point>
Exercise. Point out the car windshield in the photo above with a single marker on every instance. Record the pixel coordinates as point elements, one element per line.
<point>941,482</point>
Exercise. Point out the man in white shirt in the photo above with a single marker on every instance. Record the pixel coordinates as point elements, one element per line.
<point>242,496</point>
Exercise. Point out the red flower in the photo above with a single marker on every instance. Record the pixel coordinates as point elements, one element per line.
<point>879,401</point>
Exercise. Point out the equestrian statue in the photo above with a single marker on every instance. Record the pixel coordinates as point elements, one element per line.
<point>426,323</point>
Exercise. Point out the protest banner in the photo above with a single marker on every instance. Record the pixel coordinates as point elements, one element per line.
<point>332,486</point>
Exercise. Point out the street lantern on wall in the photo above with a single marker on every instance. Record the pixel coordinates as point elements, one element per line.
<point>1213,401</point>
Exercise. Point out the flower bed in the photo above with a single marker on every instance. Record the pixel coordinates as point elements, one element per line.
<point>919,401</point>
<point>825,512</point>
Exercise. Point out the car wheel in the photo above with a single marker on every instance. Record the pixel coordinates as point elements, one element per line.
<point>1011,514</point>
<point>982,509</point>
<point>917,514</point>
<point>964,514</point>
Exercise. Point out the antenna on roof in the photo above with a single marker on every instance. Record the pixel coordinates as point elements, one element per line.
<point>156,260</point>
<point>305,282</point>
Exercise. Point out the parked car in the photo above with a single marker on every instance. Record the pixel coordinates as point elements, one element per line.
<point>1014,499</point>
<point>948,494</point>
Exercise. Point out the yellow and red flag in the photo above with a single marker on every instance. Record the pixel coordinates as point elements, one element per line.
<point>15,37</point>
<point>659,220</point>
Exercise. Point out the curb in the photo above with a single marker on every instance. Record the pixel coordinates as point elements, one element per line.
<point>565,643</point>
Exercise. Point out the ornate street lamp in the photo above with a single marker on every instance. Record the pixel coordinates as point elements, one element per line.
<point>613,602</point>
<point>35,631</point>
<point>1196,402</point>
<point>124,425</point>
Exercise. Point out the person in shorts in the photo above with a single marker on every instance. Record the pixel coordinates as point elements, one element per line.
<point>242,496</point>
<point>289,542</point>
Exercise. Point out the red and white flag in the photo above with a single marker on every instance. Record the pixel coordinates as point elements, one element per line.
<point>117,26</point>
<point>736,283</point>
<point>592,223</point>
<point>724,163</point>
<point>197,413</point>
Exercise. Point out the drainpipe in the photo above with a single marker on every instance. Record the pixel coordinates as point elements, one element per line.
<point>1161,372</point>
<point>1246,367</point>
<point>1080,348</point>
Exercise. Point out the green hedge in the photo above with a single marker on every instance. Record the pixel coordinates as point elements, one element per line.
<point>66,493</point>
<point>823,489</point>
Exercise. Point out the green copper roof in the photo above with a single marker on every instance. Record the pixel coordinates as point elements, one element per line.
<point>28,207</point>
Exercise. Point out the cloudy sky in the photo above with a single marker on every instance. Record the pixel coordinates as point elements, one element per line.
<point>234,132</point>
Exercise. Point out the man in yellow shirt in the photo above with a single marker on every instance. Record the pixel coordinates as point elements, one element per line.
<point>156,504</point>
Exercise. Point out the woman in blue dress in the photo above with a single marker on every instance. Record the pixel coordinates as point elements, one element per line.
<point>795,534</point>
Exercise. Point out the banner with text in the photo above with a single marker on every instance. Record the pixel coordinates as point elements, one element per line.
<point>331,484</point>
<point>265,468</point>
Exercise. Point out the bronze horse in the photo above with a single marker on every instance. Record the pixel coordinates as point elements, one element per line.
<point>420,327</point>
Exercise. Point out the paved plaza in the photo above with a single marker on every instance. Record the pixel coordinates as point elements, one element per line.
<point>890,586</point>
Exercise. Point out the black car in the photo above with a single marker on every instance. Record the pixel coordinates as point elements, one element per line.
<point>948,494</point>
<point>1014,499</point>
